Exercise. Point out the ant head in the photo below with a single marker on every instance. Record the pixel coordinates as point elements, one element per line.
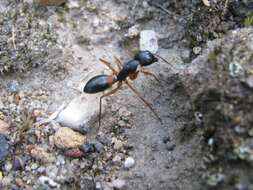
<point>145,58</point>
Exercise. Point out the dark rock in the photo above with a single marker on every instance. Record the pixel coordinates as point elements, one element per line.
<point>99,146</point>
<point>166,139</point>
<point>88,148</point>
<point>170,147</point>
<point>4,148</point>
<point>17,163</point>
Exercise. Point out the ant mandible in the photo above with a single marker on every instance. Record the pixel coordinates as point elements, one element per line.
<point>130,69</point>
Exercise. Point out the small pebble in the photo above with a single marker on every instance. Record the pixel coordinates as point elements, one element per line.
<point>13,86</point>
<point>8,166</point>
<point>74,153</point>
<point>88,148</point>
<point>96,22</point>
<point>118,144</point>
<point>116,159</point>
<point>34,166</point>
<point>118,183</point>
<point>4,127</point>
<point>98,146</point>
<point>39,153</point>
<point>1,104</point>
<point>19,182</point>
<point>66,138</point>
<point>197,50</point>
<point>77,115</point>
<point>122,123</point>
<point>41,169</point>
<point>1,175</point>
<point>239,130</point>
<point>4,148</point>
<point>17,163</point>
<point>73,4</point>
<point>148,41</point>
<point>46,181</point>
<point>166,139</point>
<point>133,31</point>
<point>60,160</point>
<point>99,186</point>
<point>249,81</point>
<point>235,69</point>
<point>28,168</point>
<point>129,162</point>
<point>250,132</point>
<point>170,147</point>
<point>123,112</point>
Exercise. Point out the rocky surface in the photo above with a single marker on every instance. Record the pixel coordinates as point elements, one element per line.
<point>221,92</point>
<point>49,134</point>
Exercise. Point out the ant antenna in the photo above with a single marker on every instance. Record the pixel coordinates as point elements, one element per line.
<point>163,59</point>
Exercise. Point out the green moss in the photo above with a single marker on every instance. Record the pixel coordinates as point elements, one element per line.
<point>205,35</point>
<point>193,42</point>
<point>249,21</point>
<point>212,57</point>
<point>135,51</point>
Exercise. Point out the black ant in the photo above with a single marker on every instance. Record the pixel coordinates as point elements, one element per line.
<point>130,69</point>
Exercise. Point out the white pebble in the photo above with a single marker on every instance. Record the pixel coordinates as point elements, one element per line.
<point>133,31</point>
<point>148,41</point>
<point>44,180</point>
<point>197,50</point>
<point>129,162</point>
<point>79,112</point>
<point>96,22</point>
<point>118,183</point>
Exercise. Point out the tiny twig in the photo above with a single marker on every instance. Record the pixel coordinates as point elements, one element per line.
<point>165,10</point>
<point>174,15</point>
<point>13,37</point>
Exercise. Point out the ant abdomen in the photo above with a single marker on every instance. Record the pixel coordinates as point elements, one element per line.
<point>99,83</point>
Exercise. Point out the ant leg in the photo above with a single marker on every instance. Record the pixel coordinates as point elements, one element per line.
<point>108,65</point>
<point>119,63</point>
<point>104,95</point>
<point>139,95</point>
<point>145,72</point>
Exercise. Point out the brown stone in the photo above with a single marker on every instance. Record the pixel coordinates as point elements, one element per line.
<point>66,138</point>
<point>41,154</point>
<point>19,182</point>
<point>4,127</point>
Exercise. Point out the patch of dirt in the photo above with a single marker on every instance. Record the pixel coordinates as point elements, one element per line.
<point>66,43</point>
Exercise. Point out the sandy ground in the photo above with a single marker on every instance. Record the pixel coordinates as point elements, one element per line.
<point>163,159</point>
